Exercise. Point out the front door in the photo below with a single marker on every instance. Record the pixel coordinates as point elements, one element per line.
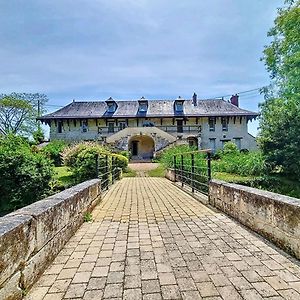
<point>179,126</point>
<point>134,148</point>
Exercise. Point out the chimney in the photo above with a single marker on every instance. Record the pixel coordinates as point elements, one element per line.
<point>235,100</point>
<point>195,99</point>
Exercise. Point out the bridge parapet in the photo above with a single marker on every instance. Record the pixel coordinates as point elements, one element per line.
<point>31,237</point>
<point>275,216</point>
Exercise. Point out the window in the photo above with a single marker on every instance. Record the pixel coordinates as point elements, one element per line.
<point>122,125</point>
<point>224,122</point>
<point>111,127</point>
<point>212,144</point>
<point>59,126</point>
<point>143,107</point>
<point>179,126</point>
<point>179,106</point>
<point>212,124</point>
<point>84,126</point>
<point>238,142</point>
<point>112,107</point>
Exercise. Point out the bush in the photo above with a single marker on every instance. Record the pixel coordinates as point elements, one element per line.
<point>54,150</point>
<point>120,161</point>
<point>25,173</point>
<point>244,164</point>
<point>81,158</point>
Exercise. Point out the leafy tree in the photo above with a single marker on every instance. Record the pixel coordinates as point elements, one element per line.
<point>18,112</point>
<point>280,113</point>
<point>38,135</point>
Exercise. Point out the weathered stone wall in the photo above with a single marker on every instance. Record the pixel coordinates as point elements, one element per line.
<point>276,217</point>
<point>31,237</point>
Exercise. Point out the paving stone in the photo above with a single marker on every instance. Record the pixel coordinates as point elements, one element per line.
<point>207,289</point>
<point>150,286</point>
<point>81,277</point>
<point>132,294</point>
<point>132,281</point>
<point>186,284</point>
<point>113,290</point>
<point>250,294</point>
<point>219,280</point>
<point>264,289</point>
<point>56,296</point>
<point>153,296</point>
<point>75,290</point>
<point>170,292</point>
<point>96,283</point>
<point>93,295</point>
<point>67,273</point>
<point>115,277</point>
<point>191,295</point>
<point>229,293</point>
<point>60,286</point>
<point>166,278</point>
<point>100,271</point>
<point>240,283</point>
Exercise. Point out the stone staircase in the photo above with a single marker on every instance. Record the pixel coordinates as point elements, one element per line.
<point>120,139</point>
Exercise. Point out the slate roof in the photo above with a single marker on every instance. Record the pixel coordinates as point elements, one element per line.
<point>156,108</point>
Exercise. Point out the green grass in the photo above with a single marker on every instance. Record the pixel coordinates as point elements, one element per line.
<point>158,172</point>
<point>232,177</point>
<point>62,179</point>
<point>129,173</point>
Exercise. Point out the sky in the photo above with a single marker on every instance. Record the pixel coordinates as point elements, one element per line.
<point>126,49</point>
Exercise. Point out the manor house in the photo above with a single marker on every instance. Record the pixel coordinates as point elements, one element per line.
<point>144,126</point>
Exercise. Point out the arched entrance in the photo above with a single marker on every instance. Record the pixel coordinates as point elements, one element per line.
<point>141,147</point>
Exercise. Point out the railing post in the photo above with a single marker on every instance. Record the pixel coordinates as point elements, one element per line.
<point>112,169</point>
<point>106,172</point>
<point>193,172</point>
<point>97,165</point>
<point>174,160</point>
<point>208,166</point>
<point>182,170</point>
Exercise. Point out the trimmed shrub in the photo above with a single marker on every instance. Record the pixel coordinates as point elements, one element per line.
<point>81,158</point>
<point>25,173</point>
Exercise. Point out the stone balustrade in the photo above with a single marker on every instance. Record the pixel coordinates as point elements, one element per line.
<point>274,216</point>
<point>31,237</point>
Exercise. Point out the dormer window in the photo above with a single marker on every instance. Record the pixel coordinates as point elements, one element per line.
<point>143,105</point>
<point>178,105</point>
<point>111,105</point>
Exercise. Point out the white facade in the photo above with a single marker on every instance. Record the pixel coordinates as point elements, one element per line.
<point>163,131</point>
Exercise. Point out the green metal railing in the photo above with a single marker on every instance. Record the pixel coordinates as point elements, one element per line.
<point>107,170</point>
<point>193,169</point>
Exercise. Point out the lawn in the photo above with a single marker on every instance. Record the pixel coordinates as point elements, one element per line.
<point>63,176</point>
<point>129,173</point>
<point>158,172</point>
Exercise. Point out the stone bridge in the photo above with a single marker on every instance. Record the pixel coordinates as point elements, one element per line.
<point>151,240</point>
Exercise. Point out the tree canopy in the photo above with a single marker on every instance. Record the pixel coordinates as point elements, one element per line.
<point>280,113</point>
<point>18,112</point>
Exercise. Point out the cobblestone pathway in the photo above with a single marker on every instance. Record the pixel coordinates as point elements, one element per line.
<point>150,240</point>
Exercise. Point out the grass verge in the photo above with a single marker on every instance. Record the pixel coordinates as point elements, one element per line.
<point>129,173</point>
<point>158,172</point>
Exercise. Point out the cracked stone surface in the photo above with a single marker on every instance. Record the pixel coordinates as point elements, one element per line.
<point>150,240</point>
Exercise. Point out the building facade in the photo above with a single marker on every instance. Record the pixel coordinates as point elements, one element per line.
<point>145,127</point>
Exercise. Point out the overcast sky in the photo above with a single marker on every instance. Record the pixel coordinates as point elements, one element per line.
<point>93,49</point>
